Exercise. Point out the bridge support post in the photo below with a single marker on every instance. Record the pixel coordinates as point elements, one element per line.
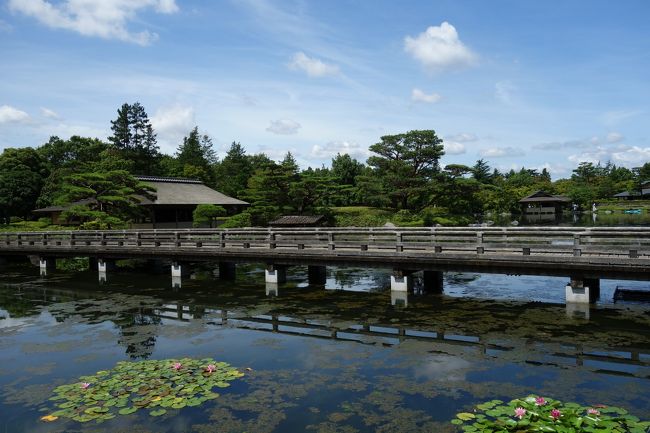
<point>401,281</point>
<point>46,264</point>
<point>432,282</point>
<point>179,269</point>
<point>105,265</point>
<point>317,275</point>
<point>579,290</point>
<point>275,274</point>
<point>399,298</point>
<point>227,271</point>
<point>272,289</point>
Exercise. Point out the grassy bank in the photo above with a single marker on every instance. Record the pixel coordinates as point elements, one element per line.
<point>365,216</point>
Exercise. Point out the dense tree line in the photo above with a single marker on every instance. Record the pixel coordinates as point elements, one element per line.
<point>404,175</point>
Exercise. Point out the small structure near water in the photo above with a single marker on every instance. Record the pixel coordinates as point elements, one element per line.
<point>543,203</point>
<point>299,221</point>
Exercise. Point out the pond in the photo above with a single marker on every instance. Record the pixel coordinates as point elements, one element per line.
<point>339,358</point>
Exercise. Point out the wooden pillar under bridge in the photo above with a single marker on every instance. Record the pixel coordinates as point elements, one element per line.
<point>227,271</point>
<point>317,275</point>
<point>433,282</point>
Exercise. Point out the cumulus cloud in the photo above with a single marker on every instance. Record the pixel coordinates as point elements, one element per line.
<point>438,48</point>
<point>283,127</point>
<point>500,152</point>
<point>463,137</point>
<point>9,114</point>
<point>172,123</point>
<point>418,95</point>
<point>628,156</point>
<point>50,114</point>
<point>312,66</point>
<point>330,149</point>
<point>105,19</point>
<point>453,148</point>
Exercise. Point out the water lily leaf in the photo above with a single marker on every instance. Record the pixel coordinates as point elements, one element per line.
<point>49,418</point>
<point>465,416</point>
<point>158,412</point>
<point>127,410</point>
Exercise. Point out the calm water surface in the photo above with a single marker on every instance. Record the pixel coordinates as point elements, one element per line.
<point>338,358</point>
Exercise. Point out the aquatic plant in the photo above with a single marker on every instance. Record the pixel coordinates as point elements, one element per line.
<point>156,385</point>
<point>539,414</point>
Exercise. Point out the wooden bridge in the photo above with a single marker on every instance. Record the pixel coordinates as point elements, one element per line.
<point>583,254</point>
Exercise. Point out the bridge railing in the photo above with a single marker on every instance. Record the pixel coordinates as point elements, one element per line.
<point>632,242</point>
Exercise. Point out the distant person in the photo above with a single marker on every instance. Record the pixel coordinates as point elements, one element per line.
<point>593,207</point>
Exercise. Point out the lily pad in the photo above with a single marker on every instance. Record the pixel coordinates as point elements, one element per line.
<point>149,384</point>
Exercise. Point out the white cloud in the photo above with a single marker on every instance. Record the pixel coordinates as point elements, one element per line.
<point>632,156</point>
<point>172,124</point>
<point>312,66</point>
<point>453,148</point>
<point>106,19</point>
<point>283,127</point>
<point>614,137</point>
<point>438,48</point>
<point>50,114</point>
<point>330,149</point>
<point>418,95</point>
<point>9,114</point>
<point>613,118</point>
<point>594,156</point>
<point>500,152</point>
<point>503,91</point>
<point>463,137</point>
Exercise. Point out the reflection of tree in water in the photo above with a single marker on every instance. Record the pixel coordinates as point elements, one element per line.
<point>350,277</point>
<point>138,332</point>
<point>16,302</point>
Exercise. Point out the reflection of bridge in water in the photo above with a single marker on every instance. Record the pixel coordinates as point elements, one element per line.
<point>626,362</point>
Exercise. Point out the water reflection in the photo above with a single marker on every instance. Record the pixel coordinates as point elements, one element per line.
<point>321,360</point>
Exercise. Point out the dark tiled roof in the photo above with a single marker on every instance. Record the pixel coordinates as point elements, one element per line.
<point>544,197</point>
<point>627,194</point>
<point>172,191</point>
<point>297,220</point>
<point>167,179</point>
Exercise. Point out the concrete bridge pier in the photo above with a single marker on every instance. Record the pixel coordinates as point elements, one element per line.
<point>272,289</point>
<point>401,281</point>
<point>177,281</point>
<point>317,275</point>
<point>582,290</point>
<point>399,298</point>
<point>180,269</point>
<point>275,274</point>
<point>432,282</point>
<point>227,271</point>
<point>46,264</point>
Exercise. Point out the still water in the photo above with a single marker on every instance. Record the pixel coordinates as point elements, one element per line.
<point>339,358</point>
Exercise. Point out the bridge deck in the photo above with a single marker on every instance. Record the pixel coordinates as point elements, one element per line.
<point>599,252</point>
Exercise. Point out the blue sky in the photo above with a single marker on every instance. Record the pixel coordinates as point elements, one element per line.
<point>517,83</point>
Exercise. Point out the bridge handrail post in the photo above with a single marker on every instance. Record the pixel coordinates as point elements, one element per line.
<point>177,239</point>
<point>577,251</point>
<point>399,245</point>
<point>72,239</point>
<point>272,243</point>
<point>330,241</point>
<point>222,239</point>
<point>479,243</point>
<point>44,238</point>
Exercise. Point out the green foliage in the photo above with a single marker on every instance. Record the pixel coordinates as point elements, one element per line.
<point>233,172</point>
<point>205,214</point>
<point>243,219</point>
<point>360,216</point>
<point>22,174</point>
<point>131,386</point>
<point>196,157</point>
<point>404,165</point>
<point>537,414</point>
<point>74,264</point>
<point>134,137</point>
<point>103,200</point>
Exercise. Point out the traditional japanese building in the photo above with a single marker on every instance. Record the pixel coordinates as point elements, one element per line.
<point>543,203</point>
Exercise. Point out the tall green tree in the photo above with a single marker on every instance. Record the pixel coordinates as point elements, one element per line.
<point>233,172</point>
<point>22,174</point>
<point>195,156</point>
<point>134,136</point>
<point>405,164</point>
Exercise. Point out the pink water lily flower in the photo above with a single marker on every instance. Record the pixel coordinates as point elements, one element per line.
<point>520,412</point>
<point>177,366</point>
<point>539,401</point>
<point>211,368</point>
<point>85,385</point>
<point>592,411</point>
<point>555,414</point>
